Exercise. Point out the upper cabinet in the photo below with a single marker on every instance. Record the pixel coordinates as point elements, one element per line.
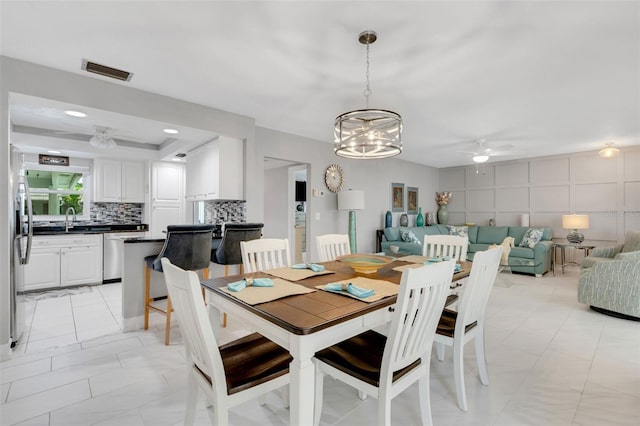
<point>119,181</point>
<point>214,171</point>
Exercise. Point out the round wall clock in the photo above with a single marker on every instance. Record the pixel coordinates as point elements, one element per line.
<point>334,178</point>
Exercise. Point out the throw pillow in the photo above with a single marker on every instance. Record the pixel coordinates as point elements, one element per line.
<point>409,237</point>
<point>459,231</point>
<point>531,238</point>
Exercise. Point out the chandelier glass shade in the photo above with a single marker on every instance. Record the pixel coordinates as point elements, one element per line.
<point>609,151</point>
<point>103,141</point>
<point>368,133</point>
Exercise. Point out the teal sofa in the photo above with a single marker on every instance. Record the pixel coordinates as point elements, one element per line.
<point>609,282</point>
<point>536,260</point>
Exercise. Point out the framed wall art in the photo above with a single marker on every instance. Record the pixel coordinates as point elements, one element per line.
<point>412,200</point>
<point>397,197</point>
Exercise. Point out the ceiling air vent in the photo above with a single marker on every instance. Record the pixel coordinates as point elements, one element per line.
<point>106,71</point>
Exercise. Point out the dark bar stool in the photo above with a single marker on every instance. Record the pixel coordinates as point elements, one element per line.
<point>228,252</point>
<point>186,246</point>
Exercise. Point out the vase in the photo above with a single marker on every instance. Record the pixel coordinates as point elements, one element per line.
<point>443,214</point>
<point>387,219</point>
<point>420,218</point>
<point>404,219</point>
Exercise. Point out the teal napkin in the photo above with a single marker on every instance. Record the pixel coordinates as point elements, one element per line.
<point>256,282</point>
<point>351,289</point>
<point>313,266</point>
<point>457,268</point>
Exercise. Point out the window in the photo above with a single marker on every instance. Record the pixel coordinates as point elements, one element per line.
<point>54,191</point>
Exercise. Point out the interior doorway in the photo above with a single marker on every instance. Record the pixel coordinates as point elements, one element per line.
<point>286,209</point>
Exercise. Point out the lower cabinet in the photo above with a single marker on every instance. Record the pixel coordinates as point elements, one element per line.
<point>59,261</point>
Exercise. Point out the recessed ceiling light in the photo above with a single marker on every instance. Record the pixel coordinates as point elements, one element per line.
<point>53,152</point>
<point>170,131</point>
<point>73,113</point>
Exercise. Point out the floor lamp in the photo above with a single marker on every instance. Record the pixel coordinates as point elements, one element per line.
<point>352,201</point>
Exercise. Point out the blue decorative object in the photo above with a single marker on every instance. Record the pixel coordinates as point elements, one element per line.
<point>387,219</point>
<point>420,218</point>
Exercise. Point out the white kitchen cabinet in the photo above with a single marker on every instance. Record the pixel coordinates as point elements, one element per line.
<point>119,181</point>
<point>64,260</point>
<point>214,171</point>
<point>167,197</point>
<point>43,269</point>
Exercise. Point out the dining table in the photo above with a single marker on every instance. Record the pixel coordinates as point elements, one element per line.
<point>307,323</point>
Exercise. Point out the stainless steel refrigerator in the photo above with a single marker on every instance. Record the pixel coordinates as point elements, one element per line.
<point>22,233</point>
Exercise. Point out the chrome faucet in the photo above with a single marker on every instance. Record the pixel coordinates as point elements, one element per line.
<point>66,218</point>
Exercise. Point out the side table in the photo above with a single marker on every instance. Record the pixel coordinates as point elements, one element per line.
<point>562,246</point>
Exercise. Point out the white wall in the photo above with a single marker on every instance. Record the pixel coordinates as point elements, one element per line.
<point>276,203</point>
<point>608,190</point>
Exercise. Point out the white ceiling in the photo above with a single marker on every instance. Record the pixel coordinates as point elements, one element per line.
<point>532,78</point>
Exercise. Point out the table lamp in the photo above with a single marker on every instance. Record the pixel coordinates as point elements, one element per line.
<point>575,222</point>
<point>351,200</point>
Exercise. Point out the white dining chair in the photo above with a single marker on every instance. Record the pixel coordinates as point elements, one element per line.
<point>384,367</point>
<point>457,328</point>
<point>331,246</point>
<point>445,245</point>
<point>264,254</point>
<point>227,374</point>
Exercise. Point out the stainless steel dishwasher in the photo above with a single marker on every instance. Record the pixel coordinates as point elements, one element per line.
<point>113,254</point>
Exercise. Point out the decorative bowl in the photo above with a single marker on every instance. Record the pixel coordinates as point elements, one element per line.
<point>366,263</point>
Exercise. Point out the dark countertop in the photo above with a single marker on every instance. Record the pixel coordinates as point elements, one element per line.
<point>215,242</point>
<point>88,228</point>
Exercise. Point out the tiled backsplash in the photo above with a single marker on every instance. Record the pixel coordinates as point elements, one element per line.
<point>222,211</point>
<point>116,212</point>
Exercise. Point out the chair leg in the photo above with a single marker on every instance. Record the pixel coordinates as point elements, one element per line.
<point>424,395</point>
<point>384,408</point>
<point>147,295</point>
<point>167,329</point>
<point>318,393</point>
<point>440,351</point>
<point>482,361</point>
<point>192,400</point>
<point>458,374</point>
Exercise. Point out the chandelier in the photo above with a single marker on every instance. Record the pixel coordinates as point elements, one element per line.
<point>368,133</point>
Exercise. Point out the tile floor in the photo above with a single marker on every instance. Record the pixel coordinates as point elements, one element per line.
<point>551,361</point>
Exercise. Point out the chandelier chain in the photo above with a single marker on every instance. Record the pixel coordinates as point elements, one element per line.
<point>367,91</point>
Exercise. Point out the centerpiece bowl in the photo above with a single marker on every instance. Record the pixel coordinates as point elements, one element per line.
<point>366,263</point>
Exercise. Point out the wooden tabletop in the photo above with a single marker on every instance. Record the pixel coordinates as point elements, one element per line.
<point>309,313</point>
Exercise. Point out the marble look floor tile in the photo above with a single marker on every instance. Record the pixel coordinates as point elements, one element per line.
<point>19,358</point>
<point>107,339</point>
<point>42,420</point>
<point>116,378</point>
<point>52,342</point>
<point>93,333</point>
<point>600,406</point>
<point>44,402</point>
<point>128,418</point>
<point>78,357</point>
<point>5,391</point>
<point>63,376</point>
<point>25,370</point>
<point>47,331</point>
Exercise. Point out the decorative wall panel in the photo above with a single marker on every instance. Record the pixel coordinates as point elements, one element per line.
<point>483,179</point>
<point>631,163</point>
<point>512,174</point>
<point>451,179</point>
<point>595,197</point>
<point>632,196</point>
<point>552,170</point>
<point>550,198</point>
<point>480,200</point>
<point>593,169</point>
<point>512,199</point>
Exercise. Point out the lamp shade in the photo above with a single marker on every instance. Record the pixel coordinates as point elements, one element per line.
<point>351,200</point>
<point>575,221</point>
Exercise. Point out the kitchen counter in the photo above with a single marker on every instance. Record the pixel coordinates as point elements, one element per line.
<point>58,228</point>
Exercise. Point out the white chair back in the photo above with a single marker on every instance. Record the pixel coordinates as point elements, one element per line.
<point>199,340</point>
<point>474,298</point>
<point>264,254</point>
<point>331,246</point>
<point>420,302</point>
<point>445,245</point>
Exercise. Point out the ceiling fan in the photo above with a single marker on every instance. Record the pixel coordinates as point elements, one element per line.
<point>102,138</point>
<point>483,151</point>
